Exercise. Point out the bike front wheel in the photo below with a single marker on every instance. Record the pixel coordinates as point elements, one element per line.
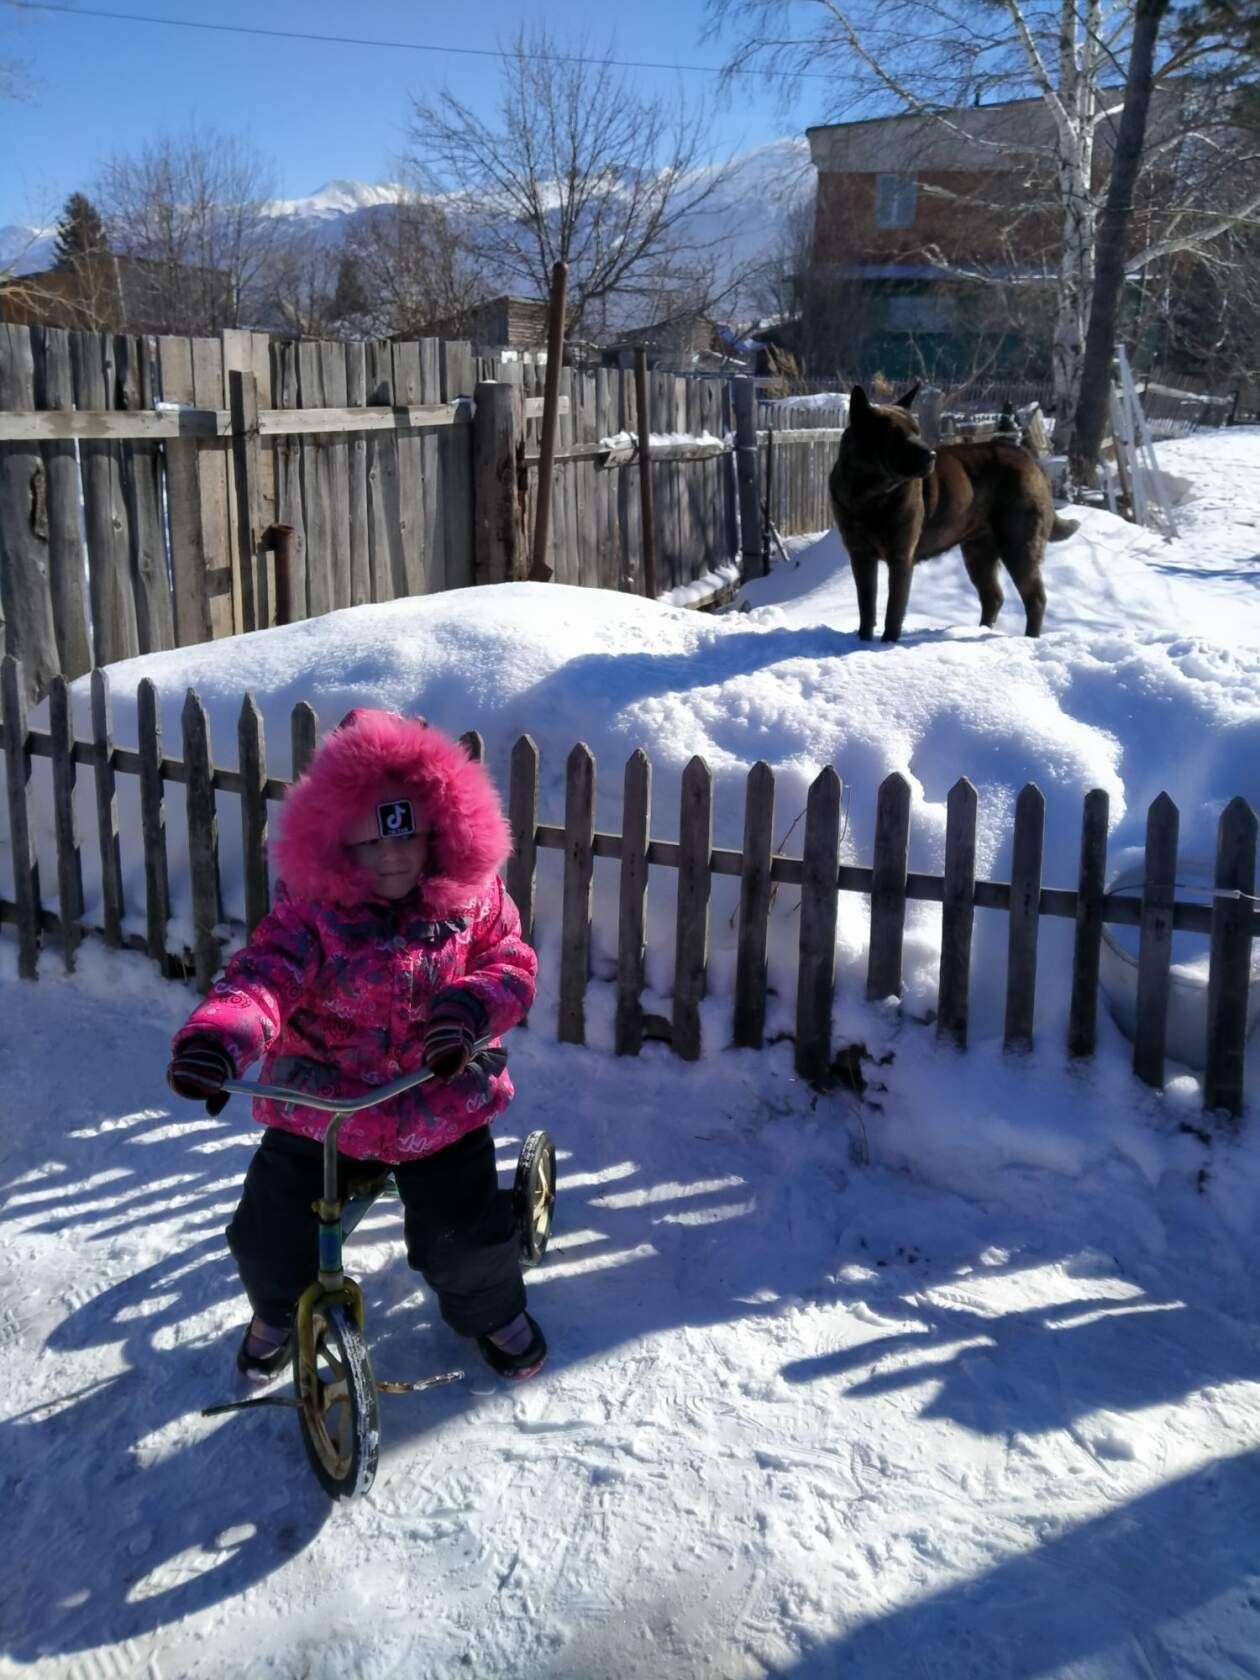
<point>338,1407</point>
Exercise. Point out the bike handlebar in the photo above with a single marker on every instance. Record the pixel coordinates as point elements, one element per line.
<point>339,1105</point>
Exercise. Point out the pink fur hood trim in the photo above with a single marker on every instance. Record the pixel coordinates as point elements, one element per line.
<point>371,755</point>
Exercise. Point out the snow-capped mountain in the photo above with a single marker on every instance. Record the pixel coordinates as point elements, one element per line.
<point>744,217</point>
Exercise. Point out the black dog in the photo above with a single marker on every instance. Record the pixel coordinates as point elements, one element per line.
<point>898,501</point>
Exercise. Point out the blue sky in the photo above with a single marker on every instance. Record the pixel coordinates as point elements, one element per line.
<point>317,111</point>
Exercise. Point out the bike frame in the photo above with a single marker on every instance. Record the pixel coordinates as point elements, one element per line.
<point>332,1287</point>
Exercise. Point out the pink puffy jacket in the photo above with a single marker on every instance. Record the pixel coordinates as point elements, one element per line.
<point>335,984</point>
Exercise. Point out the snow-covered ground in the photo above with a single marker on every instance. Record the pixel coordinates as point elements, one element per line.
<point>962,1379</point>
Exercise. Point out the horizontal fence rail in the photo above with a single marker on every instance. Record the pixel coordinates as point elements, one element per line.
<point>1230,921</point>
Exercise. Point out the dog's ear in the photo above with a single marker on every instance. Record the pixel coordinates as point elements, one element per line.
<point>907,401</point>
<point>859,404</point>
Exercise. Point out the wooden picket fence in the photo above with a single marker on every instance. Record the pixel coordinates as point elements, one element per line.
<point>1231,920</point>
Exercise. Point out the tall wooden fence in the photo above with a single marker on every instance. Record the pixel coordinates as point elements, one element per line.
<point>1231,921</point>
<point>206,487</point>
<point>798,446</point>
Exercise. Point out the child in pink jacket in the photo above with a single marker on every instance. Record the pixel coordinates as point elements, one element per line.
<point>391,945</point>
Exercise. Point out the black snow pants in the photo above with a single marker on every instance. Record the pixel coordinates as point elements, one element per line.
<point>460,1231</point>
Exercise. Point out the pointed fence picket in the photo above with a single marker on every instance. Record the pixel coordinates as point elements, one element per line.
<point>1231,920</point>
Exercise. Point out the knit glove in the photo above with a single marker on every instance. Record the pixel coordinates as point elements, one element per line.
<point>450,1035</point>
<point>197,1071</point>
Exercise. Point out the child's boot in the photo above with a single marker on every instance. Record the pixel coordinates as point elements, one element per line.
<point>515,1350</point>
<point>264,1350</point>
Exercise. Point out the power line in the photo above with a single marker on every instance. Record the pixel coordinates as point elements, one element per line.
<point>401,46</point>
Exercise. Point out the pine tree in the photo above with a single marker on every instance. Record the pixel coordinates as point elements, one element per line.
<point>350,296</point>
<point>80,233</point>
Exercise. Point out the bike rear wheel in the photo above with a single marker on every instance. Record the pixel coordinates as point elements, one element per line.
<point>534,1195</point>
<point>338,1407</point>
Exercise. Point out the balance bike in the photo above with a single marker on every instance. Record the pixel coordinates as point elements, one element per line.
<point>335,1392</point>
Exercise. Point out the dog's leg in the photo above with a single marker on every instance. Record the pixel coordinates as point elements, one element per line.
<point>900,568</point>
<point>981,559</point>
<point>1032,592</point>
<point>866,579</point>
<point>1023,549</point>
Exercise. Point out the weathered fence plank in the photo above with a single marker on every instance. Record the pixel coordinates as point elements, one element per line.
<point>1087,945</point>
<point>317,515</point>
<point>17,768</point>
<point>754,907</point>
<point>303,737</point>
<point>433,509</point>
<point>1159,889</point>
<point>411,487</point>
<point>500,548</point>
<point>252,758</point>
<point>384,514</point>
<point>65,819</point>
<point>157,894</point>
<point>474,745</point>
<point>1229,972</point>
<point>523,820</point>
<point>816,972</point>
<point>54,389</point>
<point>203,840</point>
<point>455,466</point>
<point>888,888</point>
<point>223,580</point>
<point>579,862</point>
<point>958,906</point>
<point>26,603</point>
<point>257,608</point>
<point>1021,950</point>
<point>189,580</point>
<point>288,471</point>
<point>336,455</point>
<point>357,470</point>
<point>141,478</point>
<point>691,945</point>
<point>632,903</point>
<point>107,809</point>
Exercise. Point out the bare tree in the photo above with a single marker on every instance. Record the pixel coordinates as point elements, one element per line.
<point>578,167</point>
<point>930,58</point>
<point>412,265</point>
<point>1100,342</point>
<point>195,214</point>
<point>295,286</point>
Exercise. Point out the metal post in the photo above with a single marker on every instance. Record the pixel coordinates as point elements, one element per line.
<point>540,571</point>
<point>645,477</point>
<point>747,473</point>
<point>767,514</point>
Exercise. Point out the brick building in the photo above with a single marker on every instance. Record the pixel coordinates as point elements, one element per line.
<point>932,240</point>
<point>937,239</point>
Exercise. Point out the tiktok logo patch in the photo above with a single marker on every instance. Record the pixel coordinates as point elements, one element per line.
<point>396,820</point>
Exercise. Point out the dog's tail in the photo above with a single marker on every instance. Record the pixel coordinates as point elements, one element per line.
<point>1063,528</point>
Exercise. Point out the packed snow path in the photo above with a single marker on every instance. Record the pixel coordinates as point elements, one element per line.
<point>801,1417</point>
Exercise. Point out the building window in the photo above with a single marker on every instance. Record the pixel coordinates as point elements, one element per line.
<point>921,313</point>
<point>894,200</point>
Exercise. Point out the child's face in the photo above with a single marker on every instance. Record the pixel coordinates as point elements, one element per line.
<point>394,865</point>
